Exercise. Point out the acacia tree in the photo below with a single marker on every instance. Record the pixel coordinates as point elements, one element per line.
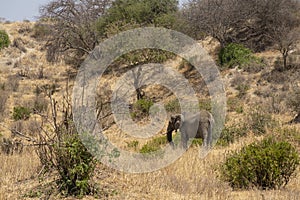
<point>73,30</point>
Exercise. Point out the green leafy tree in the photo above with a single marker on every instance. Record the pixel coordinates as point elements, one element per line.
<point>141,12</point>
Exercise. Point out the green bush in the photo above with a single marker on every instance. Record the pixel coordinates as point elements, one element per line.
<point>75,166</point>
<point>265,165</point>
<point>235,55</point>
<point>141,108</point>
<point>4,39</point>
<point>21,113</point>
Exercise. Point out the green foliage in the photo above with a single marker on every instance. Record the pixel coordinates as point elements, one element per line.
<point>197,142</point>
<point>144,56</point>
<point>141,108</point>
<point>133,144</point>
<point>265,165</point>
<point>21,113</point>
<point>4,39</point>
<point>154,145</point>
<point>75,166</point>
<point>142,12</point>
<point>235,55</point>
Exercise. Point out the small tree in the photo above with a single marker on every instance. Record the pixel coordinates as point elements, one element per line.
<point>286,38</point>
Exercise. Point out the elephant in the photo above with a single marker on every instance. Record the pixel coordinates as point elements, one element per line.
<point>197,125</point>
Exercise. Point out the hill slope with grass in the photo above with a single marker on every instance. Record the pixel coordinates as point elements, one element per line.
<point>262,98</point>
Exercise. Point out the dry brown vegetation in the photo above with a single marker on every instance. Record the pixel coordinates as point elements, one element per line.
<point>24,71</point>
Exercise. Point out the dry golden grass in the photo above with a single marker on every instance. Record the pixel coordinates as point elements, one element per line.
<point>188,178</point>
<point>15,172</point>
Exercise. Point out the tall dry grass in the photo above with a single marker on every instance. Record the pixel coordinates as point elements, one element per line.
<point>16,171</point>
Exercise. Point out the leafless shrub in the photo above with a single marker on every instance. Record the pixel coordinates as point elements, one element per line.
<point>294,99</point>
<point>3,99</point>
<point>40,104</point>
<point>19,43</point>
<point>13,83</point>
<point>40,73</point>
<point>103,107</point>
<point>25,28</point>
<point>24,72</point>
<point>238,79</point>
<point>10,146</point>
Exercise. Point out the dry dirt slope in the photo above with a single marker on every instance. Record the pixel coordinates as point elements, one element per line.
<point>187,178</point>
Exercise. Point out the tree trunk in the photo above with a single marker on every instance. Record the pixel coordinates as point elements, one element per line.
<point>285,61</point>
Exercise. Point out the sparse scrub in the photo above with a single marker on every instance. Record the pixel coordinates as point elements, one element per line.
<point>10,146</point>
<point>3,99</point>
<point>4,39</point>
<point>13,83</point>
<point>173,106</point>
<point>231,134</point>
<point>40,104</point>
<point>238,79</point>
<point>235,104</point>
<point>294,100</point>
<point>41,31</point>
<point>259,121</point>
<point>268,164</point>
<point>242,89</point>
<point>19,44</point>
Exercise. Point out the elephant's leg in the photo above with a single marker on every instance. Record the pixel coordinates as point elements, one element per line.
<point>184,139</point>
<point>169,137</point>
<point>205,137</point>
